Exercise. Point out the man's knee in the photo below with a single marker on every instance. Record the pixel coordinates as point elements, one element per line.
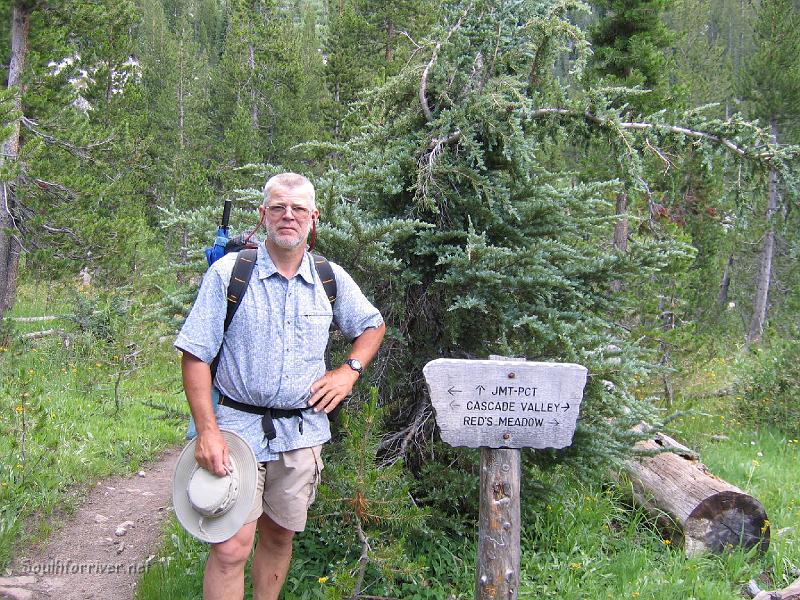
<point>272,533</point>
<point>233,553</point>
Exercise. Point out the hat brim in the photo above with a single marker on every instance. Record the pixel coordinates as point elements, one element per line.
<point>216,529</point>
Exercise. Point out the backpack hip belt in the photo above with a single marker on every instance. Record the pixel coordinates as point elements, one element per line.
<point>267,414</point>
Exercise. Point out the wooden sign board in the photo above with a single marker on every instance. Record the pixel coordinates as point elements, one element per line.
<point>505,403</point>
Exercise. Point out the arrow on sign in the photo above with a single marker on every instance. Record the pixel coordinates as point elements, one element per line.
<point>480,389</point>
<point>452,391</point>
<point>554,422</point>
<point>454,404</point>
<point>566,407</point>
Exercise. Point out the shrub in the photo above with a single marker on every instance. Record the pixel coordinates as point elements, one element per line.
<point>768,388</point>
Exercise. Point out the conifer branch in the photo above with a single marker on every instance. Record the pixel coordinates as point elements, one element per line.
<point>423,84</point>
<point>412,40</point>
<point>49,186</point>
<point>64,230</point>
<point>79,151</point>
<point>541,52</point>
<point>641,126</point>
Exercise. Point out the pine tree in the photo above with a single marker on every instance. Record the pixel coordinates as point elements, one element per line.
<point>371,508</point>
<point>514,257</point>
<point>629,42</point>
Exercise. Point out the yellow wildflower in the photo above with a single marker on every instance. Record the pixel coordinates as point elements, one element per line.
<point>20,408</point>
<point>666,542</point>
<point>323,579</point>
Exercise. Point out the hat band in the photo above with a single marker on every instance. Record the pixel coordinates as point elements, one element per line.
<point>226,502</point>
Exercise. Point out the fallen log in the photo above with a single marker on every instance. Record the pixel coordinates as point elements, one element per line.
<point>35,335</point>
<point>35,319</point>
<point>703,512</point>
<point>790,593</point>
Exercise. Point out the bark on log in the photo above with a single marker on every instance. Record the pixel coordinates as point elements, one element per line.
<point>35,335</point>
<point>705,513</point>
<point>789,593</point>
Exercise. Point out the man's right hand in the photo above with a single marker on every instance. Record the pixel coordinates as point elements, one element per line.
<point>211,453</point>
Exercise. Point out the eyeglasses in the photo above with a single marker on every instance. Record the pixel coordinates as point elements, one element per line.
<point>278,210</point>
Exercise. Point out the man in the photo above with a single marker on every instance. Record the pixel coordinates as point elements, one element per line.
<point>272,355</point>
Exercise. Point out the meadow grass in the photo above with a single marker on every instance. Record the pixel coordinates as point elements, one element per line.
<point>74,409</point>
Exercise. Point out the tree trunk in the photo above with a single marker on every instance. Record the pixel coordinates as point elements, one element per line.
<point>756,330</point>
<point>705,513</point>
<point>620,231</point>
<point>725,284</point>
<point>10,246</point>
<point>181,93</point>
<point>389,54</point>
<point>251,61</point>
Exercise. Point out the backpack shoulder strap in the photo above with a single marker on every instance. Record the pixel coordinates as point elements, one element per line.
<point>240,278</point>
<point>237,286</point>
<point>326,276</point>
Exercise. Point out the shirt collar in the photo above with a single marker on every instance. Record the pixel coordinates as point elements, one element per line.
<point>266,268</point>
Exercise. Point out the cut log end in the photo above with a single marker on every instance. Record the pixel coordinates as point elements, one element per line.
<point>724,521</point>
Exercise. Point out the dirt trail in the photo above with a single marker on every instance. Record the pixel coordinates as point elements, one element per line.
<point>106,544</point>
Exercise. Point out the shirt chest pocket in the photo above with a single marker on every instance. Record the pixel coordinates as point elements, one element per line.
<point>312,334</point>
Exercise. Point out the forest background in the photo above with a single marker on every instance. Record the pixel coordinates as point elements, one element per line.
<point>612,184</point>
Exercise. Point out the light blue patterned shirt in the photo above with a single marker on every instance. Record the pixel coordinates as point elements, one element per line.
<point>274,348</point>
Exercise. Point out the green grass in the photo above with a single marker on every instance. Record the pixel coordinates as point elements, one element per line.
<point>64,423</point>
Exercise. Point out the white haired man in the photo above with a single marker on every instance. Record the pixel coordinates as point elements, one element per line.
<point>272,355</point>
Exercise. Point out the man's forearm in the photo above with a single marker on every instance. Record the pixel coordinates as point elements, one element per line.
<point>366,346</point>
<point>197,387</point>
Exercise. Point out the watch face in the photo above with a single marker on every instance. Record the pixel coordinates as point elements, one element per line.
<point>355,364</point>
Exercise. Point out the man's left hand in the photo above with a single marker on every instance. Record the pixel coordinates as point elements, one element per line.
<point>333,387</point>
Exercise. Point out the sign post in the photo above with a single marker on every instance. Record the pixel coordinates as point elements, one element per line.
<point>500,406</point>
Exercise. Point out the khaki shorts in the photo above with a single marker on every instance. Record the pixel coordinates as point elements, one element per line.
<point>287,487</point>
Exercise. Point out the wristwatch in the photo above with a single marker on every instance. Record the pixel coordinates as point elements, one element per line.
<point>355,364</point>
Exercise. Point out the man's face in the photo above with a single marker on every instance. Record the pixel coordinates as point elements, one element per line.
<point>288,218</point>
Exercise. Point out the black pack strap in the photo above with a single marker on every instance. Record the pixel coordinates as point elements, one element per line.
<point>326,275</point>
<point>237,286</point>
<point>267,414</point>
<point>240,277</point>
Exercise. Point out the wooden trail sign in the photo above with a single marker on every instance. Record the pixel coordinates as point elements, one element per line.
<point>502,405</point>
<point>505,403</point>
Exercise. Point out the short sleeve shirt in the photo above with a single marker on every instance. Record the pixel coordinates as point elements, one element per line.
<point>274,348</point>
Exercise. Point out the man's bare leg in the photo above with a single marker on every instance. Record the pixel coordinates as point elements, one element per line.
<point>271,559</point>
<point>224,576</point>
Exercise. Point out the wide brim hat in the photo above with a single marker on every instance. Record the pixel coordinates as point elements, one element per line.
<point>213,508</point>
